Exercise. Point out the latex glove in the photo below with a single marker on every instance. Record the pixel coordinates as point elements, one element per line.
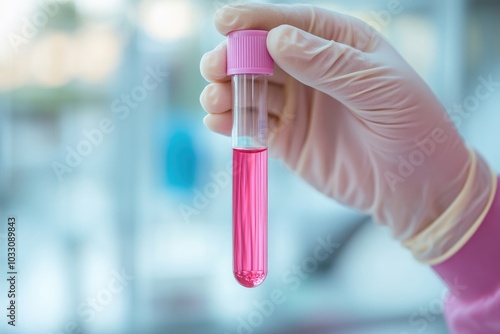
<point>352,118</point>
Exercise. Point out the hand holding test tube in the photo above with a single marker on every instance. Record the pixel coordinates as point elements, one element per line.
<point>353,116</point>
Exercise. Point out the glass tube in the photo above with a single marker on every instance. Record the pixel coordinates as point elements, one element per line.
<point>249,141</point>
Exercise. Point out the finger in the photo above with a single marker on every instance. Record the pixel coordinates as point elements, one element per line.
<point>216,98</point>
<point>213,64</point>
<point>320,22</point>
<point>219,123</point>
<point>345,73</point>
<point>213,67</point>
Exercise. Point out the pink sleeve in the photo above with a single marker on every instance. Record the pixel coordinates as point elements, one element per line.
<point>473,278</point>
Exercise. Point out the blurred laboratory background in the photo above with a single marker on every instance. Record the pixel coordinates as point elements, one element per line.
<point>123,198</point>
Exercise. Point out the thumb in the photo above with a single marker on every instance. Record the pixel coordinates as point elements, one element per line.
<point>341,71</point>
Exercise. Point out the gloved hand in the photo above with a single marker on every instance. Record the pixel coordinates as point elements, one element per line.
<point>351,117</point>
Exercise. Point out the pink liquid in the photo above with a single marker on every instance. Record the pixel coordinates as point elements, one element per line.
<point>250,216</point>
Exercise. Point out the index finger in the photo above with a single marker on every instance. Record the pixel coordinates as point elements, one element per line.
<point>213,64</point>
<point>323,23</point>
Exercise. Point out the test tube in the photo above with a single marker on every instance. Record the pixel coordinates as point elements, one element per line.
<point>249,64</point>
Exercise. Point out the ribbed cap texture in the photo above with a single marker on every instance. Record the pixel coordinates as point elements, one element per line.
<point>247,53</point>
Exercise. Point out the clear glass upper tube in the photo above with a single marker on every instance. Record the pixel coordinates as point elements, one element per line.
<point>249,111</point>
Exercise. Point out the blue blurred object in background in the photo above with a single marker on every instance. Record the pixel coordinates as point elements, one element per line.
<point>180,158</point>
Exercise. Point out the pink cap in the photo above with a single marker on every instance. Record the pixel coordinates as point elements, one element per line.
<point>247,53</point>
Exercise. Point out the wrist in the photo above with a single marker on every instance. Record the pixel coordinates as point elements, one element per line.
<point>456,225</point>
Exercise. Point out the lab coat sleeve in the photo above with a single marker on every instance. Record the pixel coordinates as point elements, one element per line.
<point>473,278</point>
